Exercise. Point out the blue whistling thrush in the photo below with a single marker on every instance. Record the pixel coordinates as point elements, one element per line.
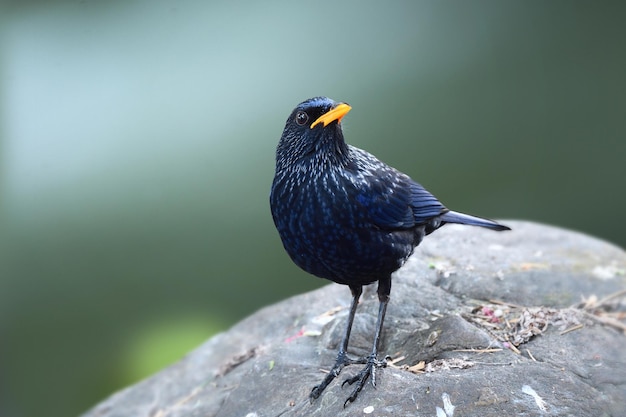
<point>345,216</point>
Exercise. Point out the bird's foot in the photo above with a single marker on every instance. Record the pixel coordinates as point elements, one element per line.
<point>361,378</point>
<point>342,360</point>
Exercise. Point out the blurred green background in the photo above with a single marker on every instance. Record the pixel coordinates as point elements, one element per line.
<point>137,143</point>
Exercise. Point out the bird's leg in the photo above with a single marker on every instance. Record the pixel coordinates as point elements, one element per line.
<point>384,289</point>
<point>342,357</point>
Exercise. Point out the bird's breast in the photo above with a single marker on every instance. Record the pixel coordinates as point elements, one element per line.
<point>328,233</point>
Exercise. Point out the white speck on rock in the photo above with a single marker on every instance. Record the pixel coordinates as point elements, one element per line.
<point>447,405</point>
<point>606,272</point>
<point>369,409</point>
<point>526,389</point>
<point>448,408</point>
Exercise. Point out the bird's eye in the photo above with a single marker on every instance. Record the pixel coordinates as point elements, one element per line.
<point>302,118</point>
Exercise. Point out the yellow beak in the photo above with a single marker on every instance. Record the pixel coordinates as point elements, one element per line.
<point>333,114</point>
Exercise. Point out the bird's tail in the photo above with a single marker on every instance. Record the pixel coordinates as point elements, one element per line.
<point>456,217</point>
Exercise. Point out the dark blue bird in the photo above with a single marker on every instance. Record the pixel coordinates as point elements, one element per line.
<point>345,216</point>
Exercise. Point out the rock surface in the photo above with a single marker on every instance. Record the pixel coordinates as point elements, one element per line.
<point>529,322</point>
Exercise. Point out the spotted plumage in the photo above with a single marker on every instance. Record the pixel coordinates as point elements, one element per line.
<point>344,215</point>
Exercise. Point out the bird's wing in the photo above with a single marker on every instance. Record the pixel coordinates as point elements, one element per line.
<point>392,199</point>
<point>395,201</point>
<point>425,205</point>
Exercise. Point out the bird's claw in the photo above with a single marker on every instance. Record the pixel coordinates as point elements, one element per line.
<point>318,389</point>
<point>361,378</point>
<point>342,361</point>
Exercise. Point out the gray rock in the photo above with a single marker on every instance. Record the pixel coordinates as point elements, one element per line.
<point>479,324</point>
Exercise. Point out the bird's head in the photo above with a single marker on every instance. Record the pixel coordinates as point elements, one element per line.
<point>313,130</point>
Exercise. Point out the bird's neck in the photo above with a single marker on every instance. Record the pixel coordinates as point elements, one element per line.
<point>333,153</point>
<point>323,155</point>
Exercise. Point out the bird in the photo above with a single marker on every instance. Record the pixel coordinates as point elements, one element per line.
<point>344,215</point>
